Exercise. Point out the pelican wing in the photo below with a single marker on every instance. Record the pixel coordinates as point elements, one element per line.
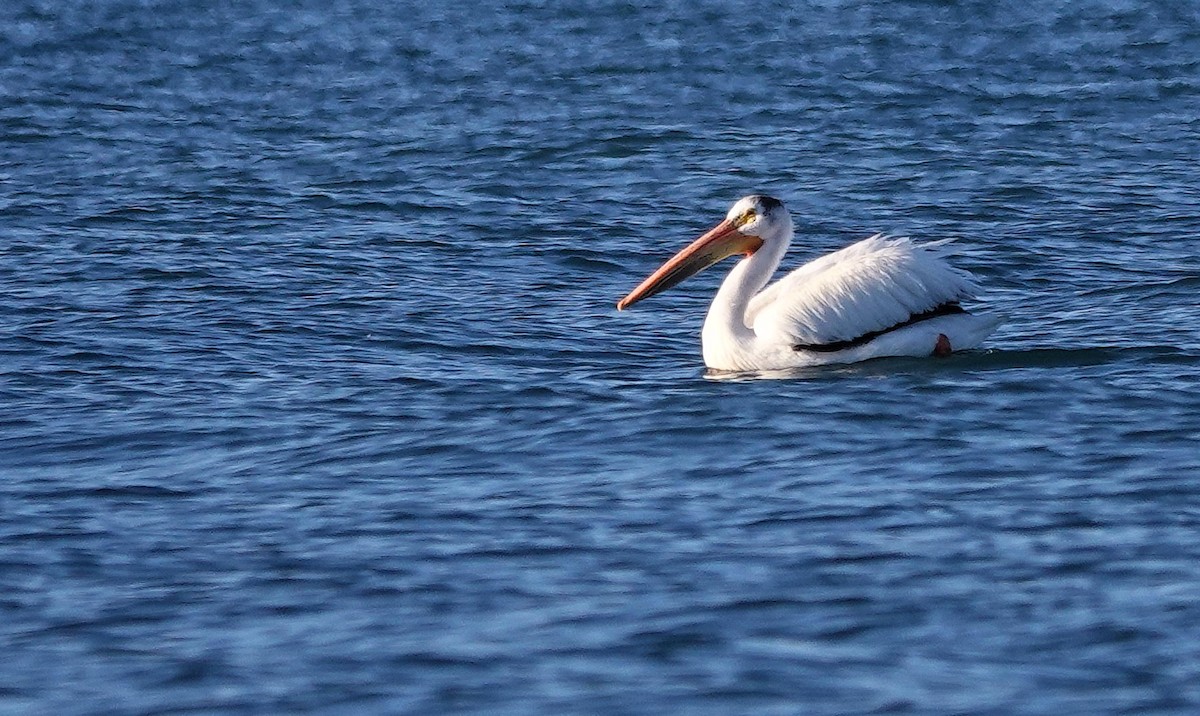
<point>871,286</point>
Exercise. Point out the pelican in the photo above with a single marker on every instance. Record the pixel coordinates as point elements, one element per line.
<point>882,296</point>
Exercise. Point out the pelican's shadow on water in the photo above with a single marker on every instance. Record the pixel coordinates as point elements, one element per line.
<point>973,361</point>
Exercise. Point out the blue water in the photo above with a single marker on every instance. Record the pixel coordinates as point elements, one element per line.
<point>313,396</point>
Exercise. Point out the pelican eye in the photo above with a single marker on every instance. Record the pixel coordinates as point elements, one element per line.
<point>747,217</point>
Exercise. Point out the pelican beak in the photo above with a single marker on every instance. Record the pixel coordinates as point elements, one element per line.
<point>721,241</point>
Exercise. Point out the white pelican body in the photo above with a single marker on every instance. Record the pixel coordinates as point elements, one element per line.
<point>880,297</point>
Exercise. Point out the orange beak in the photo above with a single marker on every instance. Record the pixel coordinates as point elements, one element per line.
<point>721,241</point>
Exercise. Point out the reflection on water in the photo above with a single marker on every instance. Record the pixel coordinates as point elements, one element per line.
<point>972,361</point>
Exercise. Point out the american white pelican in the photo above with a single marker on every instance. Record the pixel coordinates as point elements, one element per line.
<point>880,297</point>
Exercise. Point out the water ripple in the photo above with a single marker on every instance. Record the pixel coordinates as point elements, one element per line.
<point>313,395</point>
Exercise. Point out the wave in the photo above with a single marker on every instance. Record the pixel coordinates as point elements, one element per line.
<point>987,360</point>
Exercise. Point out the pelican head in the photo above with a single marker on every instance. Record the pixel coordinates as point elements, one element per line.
<point>751,221</point>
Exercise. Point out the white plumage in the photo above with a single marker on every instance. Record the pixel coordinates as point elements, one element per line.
<point>869,286</point>
<point>882,296</point>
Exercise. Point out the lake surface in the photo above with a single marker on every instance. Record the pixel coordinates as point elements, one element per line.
<point>313,395</point>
